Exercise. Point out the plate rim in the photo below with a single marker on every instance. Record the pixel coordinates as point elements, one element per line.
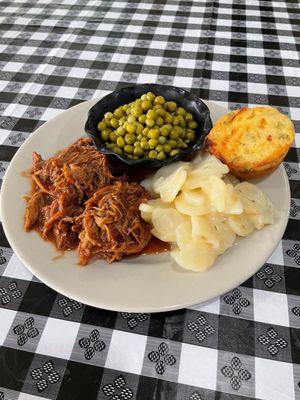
<point>61,290</point>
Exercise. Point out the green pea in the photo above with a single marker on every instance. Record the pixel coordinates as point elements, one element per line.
<point>139,128</point>
<point>159,121</point>
<point>162,140</point>
<point>160,112</point>
<point>138,151</point>
<point>146,105</point>
<point>152,154</point>
<point>151,114</point>
<point>112,137</point>
<point>138,103</point>
<point>172,143</point>
<point>183,123</point>
<point>179,130</point>
<point>130,138</point>
<point>117,150</point>
<point>130,128</point>
<point>181,144</point>
<point>153,134</point>
<point>190,135</point>
<point>128,111</point>
<point>131,119</point>
<point>192,124</point>
<point>142,118</point>
<point>136,143</point>
<point>107,122</point>
<point>122,121</point>
<point>174,135</point>
<point>150,96</point>
<point>118,113</point>
<point>105,135</point>
<point>161,155</point>
<point>144,145</point>
<point>101,126</point>
<point>128,148</point>
<point>165,130</point>
<point>177,120</point>
<point>121,131</point>
<point>145,131</point>
<point>167,148</point>
<point>108,115</point>
<point>159,148</point>
<point>136,112</point>
<point>150,122</point>
<point>139,136</point>
<point>174,152</point>
<point>152,143</point>
<point>114,123</point>
<point>180,111</point>
<point>159,100</point>
<point>168,118</point>
<point>188,117</point>
<point>157,107</point>
<point>171,106</point>
<point>125,107</point>
<point>121,141</point>
<point>144,97</point>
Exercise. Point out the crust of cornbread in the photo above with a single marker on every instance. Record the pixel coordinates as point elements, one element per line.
<point>251,141</point>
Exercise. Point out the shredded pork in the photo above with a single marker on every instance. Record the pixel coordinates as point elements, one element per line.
<point>78,203</point>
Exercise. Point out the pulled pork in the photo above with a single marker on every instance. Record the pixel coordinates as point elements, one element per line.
<point>112,226</point>
<point>77,202</point>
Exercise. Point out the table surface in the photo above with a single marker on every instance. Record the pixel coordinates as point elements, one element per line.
<point>243,345</point>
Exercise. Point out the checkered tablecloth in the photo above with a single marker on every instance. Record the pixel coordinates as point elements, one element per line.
<point>243,345</point>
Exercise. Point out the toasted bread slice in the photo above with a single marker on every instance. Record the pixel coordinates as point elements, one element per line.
<point>251,141</point>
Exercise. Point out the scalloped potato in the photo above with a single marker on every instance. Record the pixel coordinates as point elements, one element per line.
<point>201,210</point>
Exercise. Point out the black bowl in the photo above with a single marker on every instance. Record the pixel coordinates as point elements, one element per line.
<point>188,101</point>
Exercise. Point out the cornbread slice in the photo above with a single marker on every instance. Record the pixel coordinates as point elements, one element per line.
<point>251,141</point>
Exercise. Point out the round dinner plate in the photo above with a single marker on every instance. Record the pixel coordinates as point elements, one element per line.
<point>147,283</point>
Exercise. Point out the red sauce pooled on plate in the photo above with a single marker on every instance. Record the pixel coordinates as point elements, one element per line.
<point>156,246</point>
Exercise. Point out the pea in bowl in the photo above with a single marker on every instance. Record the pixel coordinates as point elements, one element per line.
<point>149,124</point>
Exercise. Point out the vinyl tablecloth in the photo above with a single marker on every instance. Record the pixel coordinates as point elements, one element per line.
<point>243,345</point>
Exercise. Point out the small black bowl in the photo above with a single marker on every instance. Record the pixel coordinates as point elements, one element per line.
<point>188,101</point>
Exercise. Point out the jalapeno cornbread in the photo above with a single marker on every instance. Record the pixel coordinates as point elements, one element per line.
<point>251,141</point>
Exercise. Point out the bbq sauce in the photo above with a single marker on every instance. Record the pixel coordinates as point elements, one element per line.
<point>156,246</point>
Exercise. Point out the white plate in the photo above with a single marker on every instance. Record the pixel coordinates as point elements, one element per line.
<point>144,284</point>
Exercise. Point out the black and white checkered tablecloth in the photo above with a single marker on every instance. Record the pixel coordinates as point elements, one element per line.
<point>243,345</point>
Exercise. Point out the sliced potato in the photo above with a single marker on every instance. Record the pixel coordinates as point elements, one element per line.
<point>147,183</point>
<point>202,228</point>
<point>168,187</point>
<point>233,203</point>
<point>207,167</point>
<point>216,190</point>
<point>168,170</point>
<point>266,216</point>
<point>241,224</point>
<point>231,179</point>
<point>165,222</point>
<point>226,234</point>
<point>200,211</point>
<point>194,258</point>
<point>146,209</point>
<point>183,234</point>
<point>192,202</point>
